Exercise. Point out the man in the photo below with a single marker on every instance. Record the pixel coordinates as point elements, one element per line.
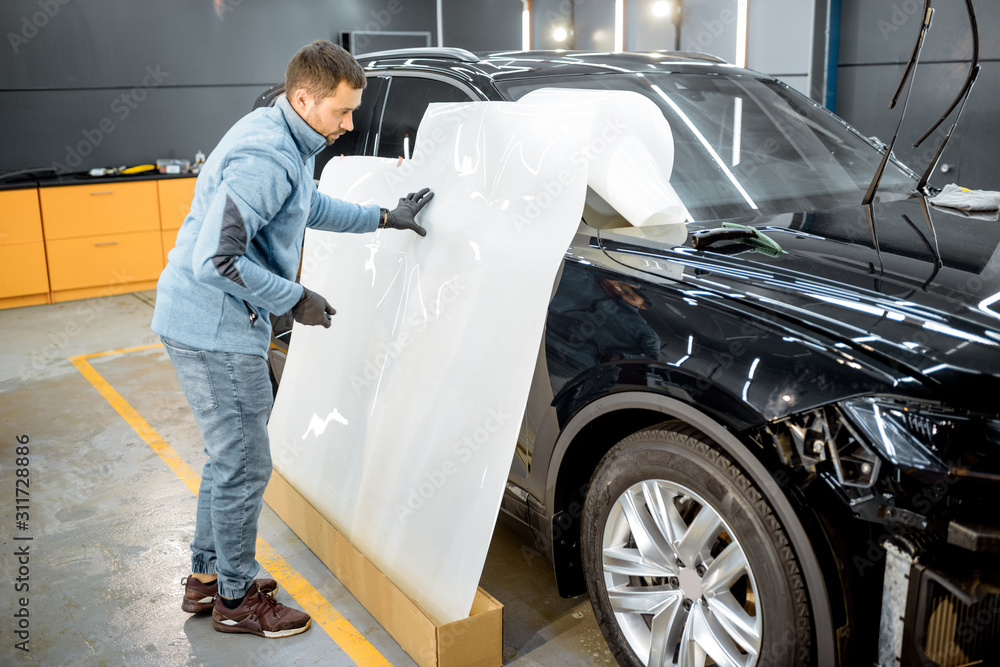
<point>234,264</point>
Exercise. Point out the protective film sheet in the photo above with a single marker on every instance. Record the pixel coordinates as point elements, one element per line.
<point>399,422</point>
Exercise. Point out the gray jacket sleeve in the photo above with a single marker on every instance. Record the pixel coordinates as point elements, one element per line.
<point>334,215</point>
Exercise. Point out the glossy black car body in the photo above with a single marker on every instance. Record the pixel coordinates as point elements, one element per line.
<point>854,378</point>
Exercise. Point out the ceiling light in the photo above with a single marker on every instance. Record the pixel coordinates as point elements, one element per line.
<point>560,34</point>
<point>661,8</point>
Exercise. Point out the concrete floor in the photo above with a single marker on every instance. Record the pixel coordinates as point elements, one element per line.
<point>110,523</point>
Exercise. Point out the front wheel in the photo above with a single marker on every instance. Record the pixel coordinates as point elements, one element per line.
<point>686,562</point>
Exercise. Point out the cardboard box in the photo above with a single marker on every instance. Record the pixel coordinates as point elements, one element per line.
<point>471,642</point>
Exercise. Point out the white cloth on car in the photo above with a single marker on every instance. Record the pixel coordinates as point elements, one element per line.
<point>983,204</point>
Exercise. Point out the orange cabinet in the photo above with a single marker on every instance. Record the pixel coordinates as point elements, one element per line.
<point>67,242</point>
<point>102,208</point>
<point>23,273</point>
<point>169,239</point>
<point>20,220</point>
<point>102,239</point>
<point>107,261</point>
<point>175,203</point>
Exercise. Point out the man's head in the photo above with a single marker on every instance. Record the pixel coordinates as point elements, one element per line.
<point>323,83</point>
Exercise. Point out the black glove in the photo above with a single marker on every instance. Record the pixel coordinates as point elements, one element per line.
<point>312,309</point>
<point>404,215</point>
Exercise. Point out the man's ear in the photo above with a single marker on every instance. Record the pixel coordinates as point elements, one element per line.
<point>300,98</point>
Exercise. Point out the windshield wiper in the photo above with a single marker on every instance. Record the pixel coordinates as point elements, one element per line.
<point>911,68</point>
<point>963,97</point>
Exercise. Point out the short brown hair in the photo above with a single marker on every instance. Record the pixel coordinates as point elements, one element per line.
<point>320,67</point>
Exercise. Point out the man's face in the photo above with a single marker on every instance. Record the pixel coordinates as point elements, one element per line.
<point>330,116</point>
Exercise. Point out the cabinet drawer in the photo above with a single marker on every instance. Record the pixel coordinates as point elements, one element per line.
<point>103,208</point>
<point>20,220</point>
<point>169,239</point>
<point>175,201</point>
<point>22,269</point>
<point>97,261</point>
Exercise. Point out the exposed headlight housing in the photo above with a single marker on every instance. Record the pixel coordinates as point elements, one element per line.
<point>927,437</point>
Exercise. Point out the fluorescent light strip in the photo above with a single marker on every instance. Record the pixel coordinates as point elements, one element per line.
<point>737,129</point>
<point>525,26</point>
<point>440,23</point>
<point>742,22</point>
<point>619,26</point>
<point>708,147</point>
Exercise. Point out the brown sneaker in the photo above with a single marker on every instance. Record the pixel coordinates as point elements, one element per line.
<point>260,615</point>
<point>199,597</point>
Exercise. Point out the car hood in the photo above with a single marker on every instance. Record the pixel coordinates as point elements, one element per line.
<point>910,284</point>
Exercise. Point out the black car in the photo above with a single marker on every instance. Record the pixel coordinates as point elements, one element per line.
<point>779,442</point>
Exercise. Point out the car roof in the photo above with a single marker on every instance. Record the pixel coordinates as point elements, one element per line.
<point>507,65</point>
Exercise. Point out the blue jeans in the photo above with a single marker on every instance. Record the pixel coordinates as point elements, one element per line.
<point>230,395</point>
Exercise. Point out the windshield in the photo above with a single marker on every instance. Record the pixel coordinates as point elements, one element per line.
<point>745,146</point>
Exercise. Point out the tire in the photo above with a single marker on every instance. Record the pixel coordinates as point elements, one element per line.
<point>710,572</point>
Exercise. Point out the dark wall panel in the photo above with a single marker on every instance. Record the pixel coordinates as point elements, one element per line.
<point>710,27</point>
<point>109,43</point>
<point>595,26</point>
<point>546,15</point>
<point>80,129</point>
<point>876,40</point>
<point>593,20</point>
<point>644,31</point>
<point>485,25</point>
<point>973,152</point>
<point>210,60</point>
<point>884,31</point>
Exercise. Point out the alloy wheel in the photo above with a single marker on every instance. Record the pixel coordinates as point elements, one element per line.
<point>679,583</point>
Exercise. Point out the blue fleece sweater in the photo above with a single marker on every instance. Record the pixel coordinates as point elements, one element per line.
<point>238,250</point>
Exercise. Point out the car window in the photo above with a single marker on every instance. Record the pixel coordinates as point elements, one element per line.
<point>405,105</point>
<point>355,142</point>
<point>745,146</point>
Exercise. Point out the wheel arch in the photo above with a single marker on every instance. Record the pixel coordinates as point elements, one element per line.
<point>594,429</point>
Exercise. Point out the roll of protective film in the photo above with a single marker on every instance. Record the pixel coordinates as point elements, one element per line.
<point>630,152</point>
<point>399,422</point>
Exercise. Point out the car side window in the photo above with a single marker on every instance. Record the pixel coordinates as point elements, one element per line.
<point>356,141</point>
<point>405,105</point>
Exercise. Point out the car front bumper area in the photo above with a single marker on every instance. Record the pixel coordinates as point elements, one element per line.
<point>941,602</point>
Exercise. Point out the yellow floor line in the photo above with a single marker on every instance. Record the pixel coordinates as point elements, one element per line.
<point>135,420</point>
<point>124,350</point>
<point>312,602</point>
